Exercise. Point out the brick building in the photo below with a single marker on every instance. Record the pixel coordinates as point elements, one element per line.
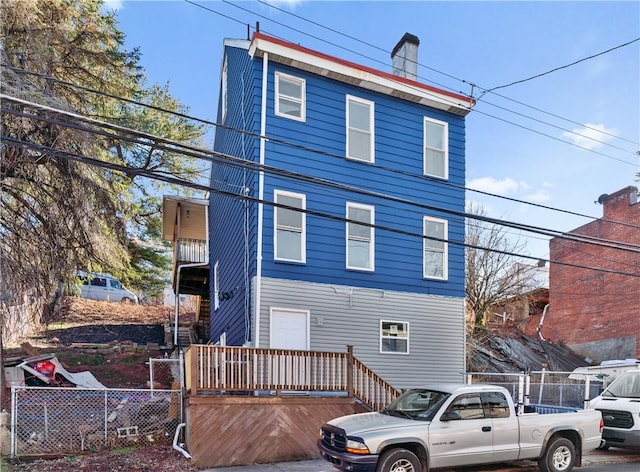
<point>597,313</point>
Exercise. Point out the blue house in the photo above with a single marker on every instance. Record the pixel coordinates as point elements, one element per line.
<point>336,210</point>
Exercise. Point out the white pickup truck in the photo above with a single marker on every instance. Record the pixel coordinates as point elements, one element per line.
<point>620,407</point>
<point>453,425</point>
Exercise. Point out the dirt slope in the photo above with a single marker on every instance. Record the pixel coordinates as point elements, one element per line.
<point>128,336</point>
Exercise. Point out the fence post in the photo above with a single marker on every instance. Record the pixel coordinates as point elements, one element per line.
<point>195,358</point>
<point>350,371</point>
<point>587,392</point>
<point>14,420</point>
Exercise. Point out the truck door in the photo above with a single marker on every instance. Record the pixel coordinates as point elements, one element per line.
<point>461,435</point>
<point>505,428</point>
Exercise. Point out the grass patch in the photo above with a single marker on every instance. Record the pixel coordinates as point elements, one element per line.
<point>123,450</point>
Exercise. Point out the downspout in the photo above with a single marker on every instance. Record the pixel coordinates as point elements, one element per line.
<point>539,328</point>
<point>541,337</point>
<point>263,130</point>
<point>180,446</point>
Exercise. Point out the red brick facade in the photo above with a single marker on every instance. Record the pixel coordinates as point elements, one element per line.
<point>595,312</point>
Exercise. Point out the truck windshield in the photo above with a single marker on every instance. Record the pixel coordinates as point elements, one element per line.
<point>417,404</point>
<point>627,386</point>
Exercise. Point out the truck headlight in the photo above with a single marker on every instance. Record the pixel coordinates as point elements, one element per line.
<point>357,446</point>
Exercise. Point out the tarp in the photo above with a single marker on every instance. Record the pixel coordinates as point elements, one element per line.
<point>41,368</point>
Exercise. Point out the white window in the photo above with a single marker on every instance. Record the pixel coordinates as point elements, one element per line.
<point>223,94</point>
<point>360,129</point>
<point>290,227</point>
<point>290,97</point>
<point>360,238</point>
<point>216,285</point>
<point>435,248</point>
<point>436,148</point>
<point>394,337</point>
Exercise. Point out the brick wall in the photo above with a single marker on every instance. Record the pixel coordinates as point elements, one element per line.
<point>594,311</point>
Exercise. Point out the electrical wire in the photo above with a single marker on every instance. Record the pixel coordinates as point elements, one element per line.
<point>306,148</point>
<point>591,138</point>
<point>127,134</point>
<point>176,181</point>
<point>562,67</point>
<point>485,91</point>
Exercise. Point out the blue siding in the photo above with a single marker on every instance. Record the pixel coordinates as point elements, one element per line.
<point>397,171</point>
<point>233,221</point>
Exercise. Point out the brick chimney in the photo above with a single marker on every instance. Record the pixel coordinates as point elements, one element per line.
<point>616,205</point>
<point>404,57</point>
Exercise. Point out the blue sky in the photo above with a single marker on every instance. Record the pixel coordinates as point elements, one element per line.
<point>520,143</point>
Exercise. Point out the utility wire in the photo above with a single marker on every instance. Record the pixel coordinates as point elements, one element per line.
<point>128,134</point>
<point>591,138</point>
<point>305,148</point>
<point>562,67</point>
<point>176,181</point>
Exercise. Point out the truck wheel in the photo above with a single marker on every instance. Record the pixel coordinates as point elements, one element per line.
<point>399,460</point>
<point>559,456</point>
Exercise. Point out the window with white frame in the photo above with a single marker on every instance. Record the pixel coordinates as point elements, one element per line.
<point>394,337</point>
<point>216,285</point>
<point>435,248</point>
<point>290,227</point>
<point>290,97</point>
<point>224,88</point>
<point>360,237</point>
<point>436,148</point>
<point>360,129</point>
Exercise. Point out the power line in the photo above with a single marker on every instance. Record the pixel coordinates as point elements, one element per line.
<point>176,181</point>
<point>200,153</point>
<point>306,148</point>
<point>562,67</point>
<point>368,44</point>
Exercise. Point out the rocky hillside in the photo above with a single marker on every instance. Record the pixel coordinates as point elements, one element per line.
<point>502,348</point>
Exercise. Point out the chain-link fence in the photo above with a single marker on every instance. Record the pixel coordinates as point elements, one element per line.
<point>70,420</point>
<point>559,389</point>
<point>165,373</point>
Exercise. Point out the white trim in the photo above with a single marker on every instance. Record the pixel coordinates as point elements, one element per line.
<point>303,96</point>
<point>445,250</point>
<point>406,323</point>
<point>307,314</point>
<point>320,64</point>
<point>445,146</point>
<point>372,131</point>
<point>263,131</point>
<point>216,285</point>
<point>372,235</point>
<point>303,229</point>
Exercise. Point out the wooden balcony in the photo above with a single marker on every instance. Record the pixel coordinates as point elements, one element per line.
<point>220,369</point>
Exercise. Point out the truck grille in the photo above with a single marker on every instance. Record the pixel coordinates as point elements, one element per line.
<point>617,419</point>
<point>334,438</point>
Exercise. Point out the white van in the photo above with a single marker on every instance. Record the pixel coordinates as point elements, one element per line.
<point>620,407</point>
<point>97,286</point>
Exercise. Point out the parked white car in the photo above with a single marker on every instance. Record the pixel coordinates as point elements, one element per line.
<point>97,286</point>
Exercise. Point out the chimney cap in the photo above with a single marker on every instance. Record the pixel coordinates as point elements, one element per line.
<point>407,38</point>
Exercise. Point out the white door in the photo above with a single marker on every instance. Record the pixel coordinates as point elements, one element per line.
<point>289,329</point>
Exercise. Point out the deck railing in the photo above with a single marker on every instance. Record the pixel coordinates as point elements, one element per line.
<point>191,250</point>
<point>211,369</point>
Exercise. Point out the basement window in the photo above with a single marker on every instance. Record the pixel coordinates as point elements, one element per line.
<point>394,337</point>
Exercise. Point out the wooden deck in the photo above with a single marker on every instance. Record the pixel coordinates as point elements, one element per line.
<point>250,405</point>
<point>238,430</point>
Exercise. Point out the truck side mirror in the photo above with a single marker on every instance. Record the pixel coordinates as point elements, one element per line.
<point>450,415</point>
